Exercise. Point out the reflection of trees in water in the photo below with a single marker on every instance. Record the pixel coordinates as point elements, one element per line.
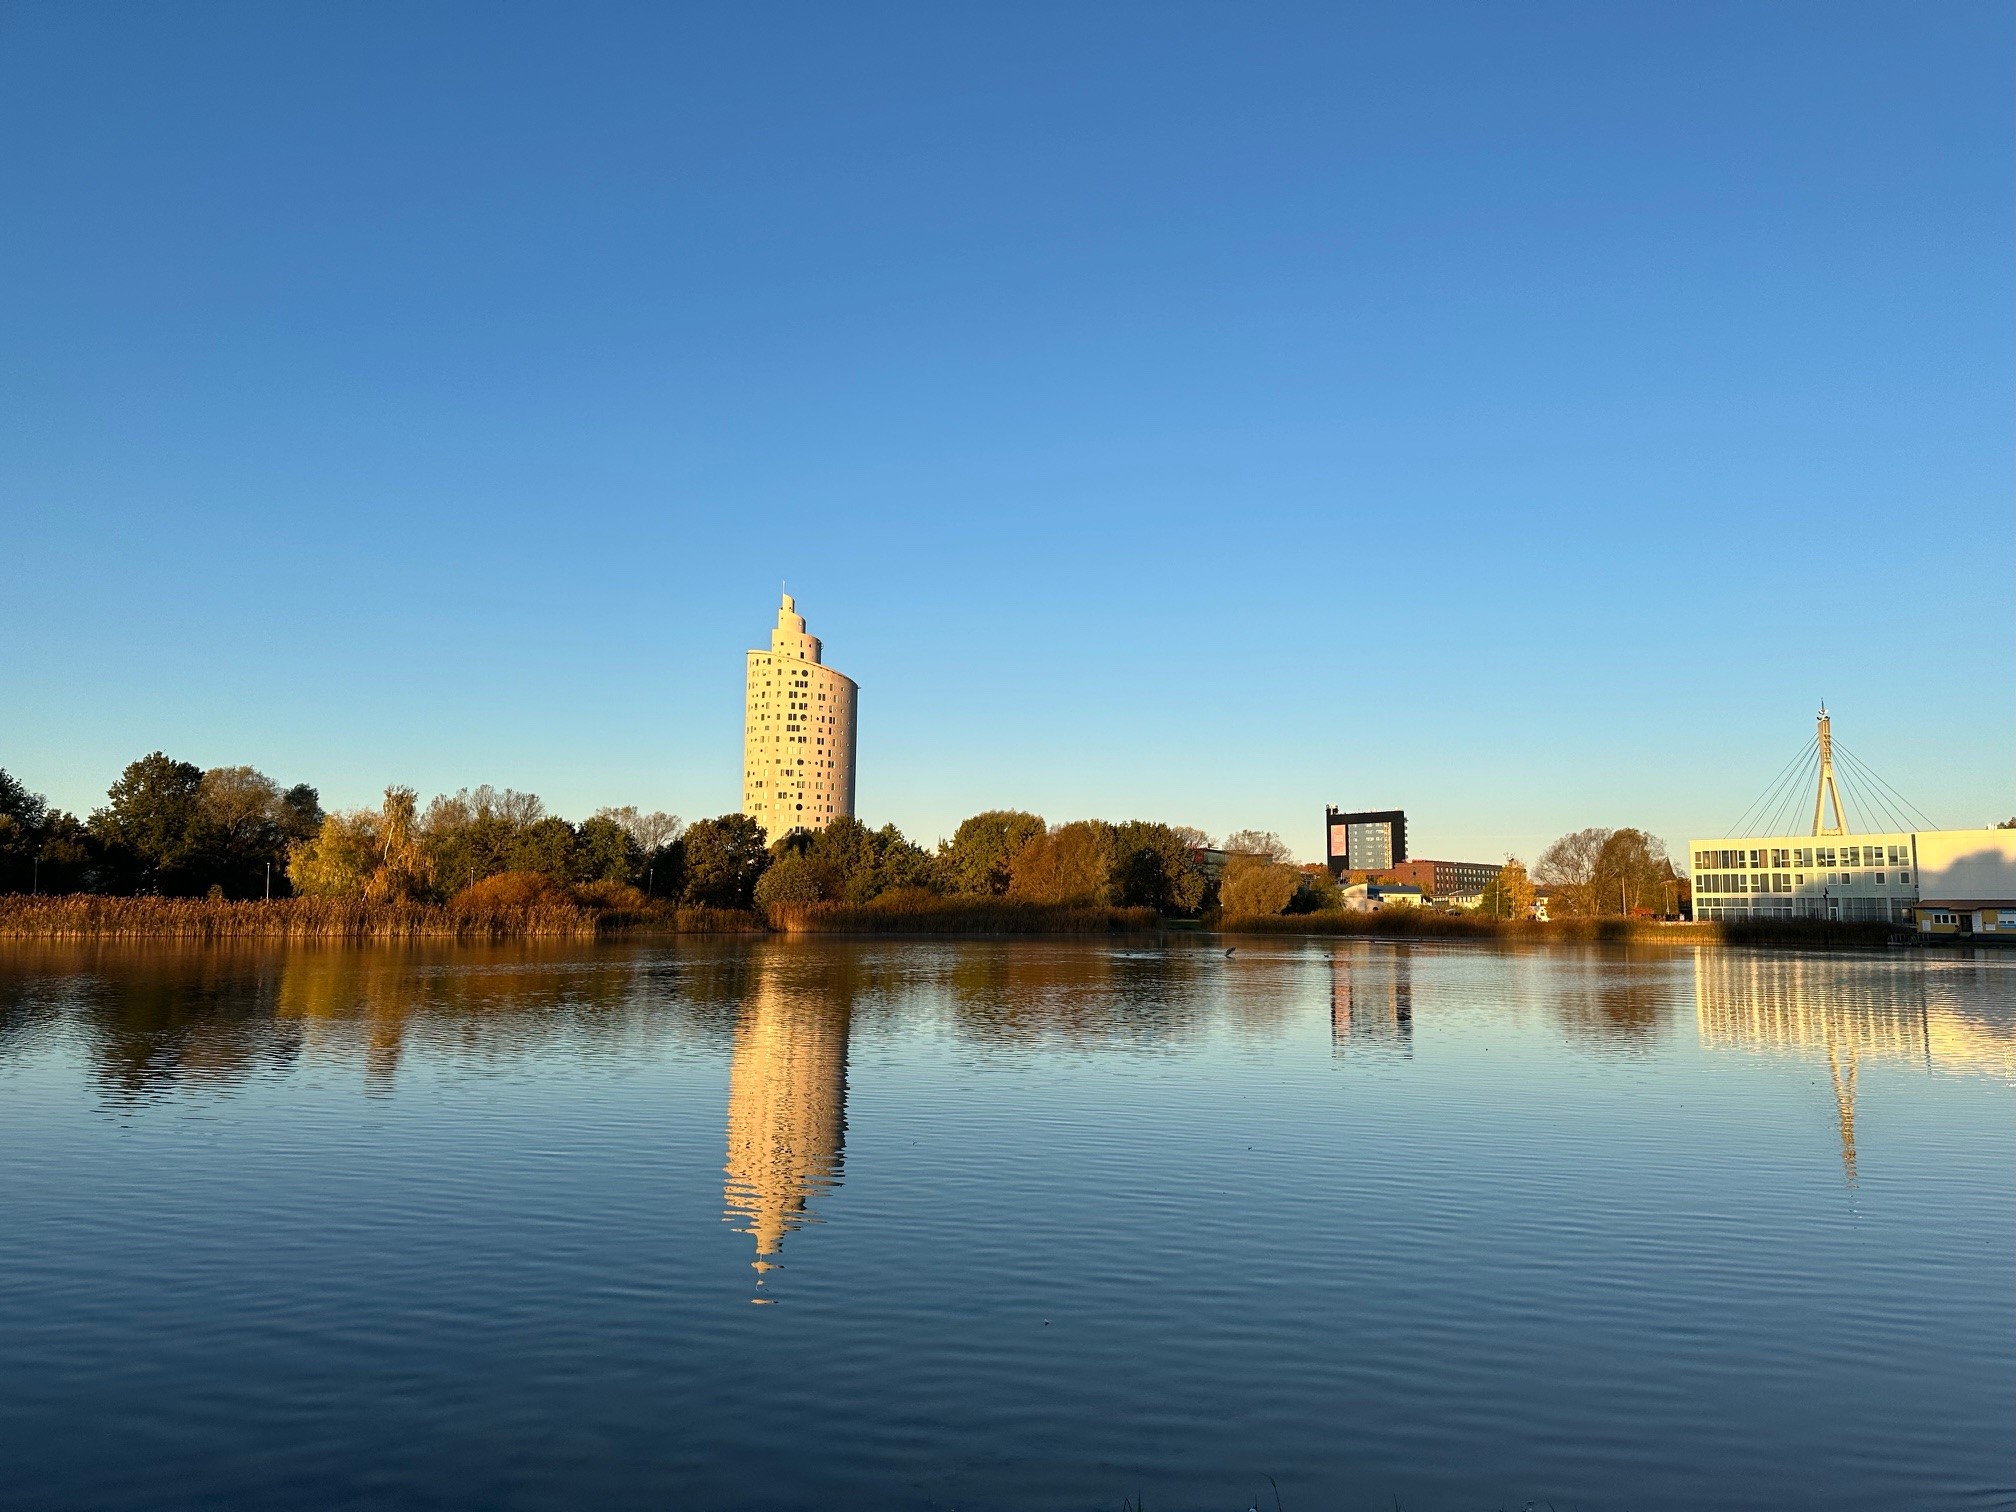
<point>1624,999</point>
<point>161,1016</point>
<point>156,1016</point>
<point>1022,992</point>
<point>1372,998</point>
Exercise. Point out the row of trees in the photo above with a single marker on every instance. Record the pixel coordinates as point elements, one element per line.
<point>172,828</point>
<point>399,852</point>
<point>166,827</point>
<point>396,852</point>
<point>1007,853</point>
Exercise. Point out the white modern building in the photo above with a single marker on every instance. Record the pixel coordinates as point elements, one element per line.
<point>1895,876</point>
<point>797,733</point>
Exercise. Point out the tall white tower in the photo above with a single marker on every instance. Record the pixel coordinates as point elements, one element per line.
<point>797,733</point>
<point>1827,790</point>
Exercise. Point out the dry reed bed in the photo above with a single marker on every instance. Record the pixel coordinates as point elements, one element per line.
<point>84,916</point>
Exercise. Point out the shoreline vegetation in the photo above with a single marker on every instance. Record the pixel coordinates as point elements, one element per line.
<point>180,853</point>
<point>80,916</point>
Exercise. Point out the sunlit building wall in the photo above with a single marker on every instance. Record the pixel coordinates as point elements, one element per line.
<point>797,733</point>
<point>1874,877</point>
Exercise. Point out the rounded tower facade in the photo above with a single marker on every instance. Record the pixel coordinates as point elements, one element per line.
<point>797,733</point>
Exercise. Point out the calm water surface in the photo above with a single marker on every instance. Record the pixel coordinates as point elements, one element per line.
<point>1031,1226</point>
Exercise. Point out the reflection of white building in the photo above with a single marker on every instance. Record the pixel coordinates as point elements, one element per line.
<point>1852,1012</point>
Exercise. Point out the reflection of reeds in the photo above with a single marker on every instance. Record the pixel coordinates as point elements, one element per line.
<point>924,913</point>
<point>84,916</point>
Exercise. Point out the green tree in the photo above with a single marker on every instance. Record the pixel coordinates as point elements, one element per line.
<point>1156,866</point>
<point>900,863</point>
<point>243,823</point>
<point>791,878</point>
<point>300,812</point>
<point>479,832</point>
<point>545,846</point>
<point>22,817</point>
<point>148,824</point>
<point>605,852</point>
<point>979,859</point>
<point>724,858</point>
<point>1318,893</point>
<point>68,854</point>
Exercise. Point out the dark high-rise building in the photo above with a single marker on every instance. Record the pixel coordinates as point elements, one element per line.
<point>1373,841</point>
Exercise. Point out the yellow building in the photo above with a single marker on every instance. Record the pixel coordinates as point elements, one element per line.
<point>797,733</point>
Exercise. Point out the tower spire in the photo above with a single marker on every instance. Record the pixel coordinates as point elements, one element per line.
<point>1827,790</point>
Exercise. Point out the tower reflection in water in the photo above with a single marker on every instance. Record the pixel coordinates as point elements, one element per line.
<point>787,1105</point>
<point>1853,1013</point>
<point>1372,999</point>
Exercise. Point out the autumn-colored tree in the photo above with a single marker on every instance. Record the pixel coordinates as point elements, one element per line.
<point>1567,868</point>
<point>1253,884</point>
<point>404,870</point>
<point>338,859</point>
<point>375,855</point>
<point>1632,874</point>
<point>980,857</point>
<point>1509,894</point>
<point>1070,864</point>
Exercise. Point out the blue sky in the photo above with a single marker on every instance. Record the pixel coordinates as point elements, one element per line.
<point>1519,414</point>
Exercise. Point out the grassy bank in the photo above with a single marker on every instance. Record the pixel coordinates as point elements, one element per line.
<point>84,916</point>
<point>924,913</point>
<point>1421,924</point>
